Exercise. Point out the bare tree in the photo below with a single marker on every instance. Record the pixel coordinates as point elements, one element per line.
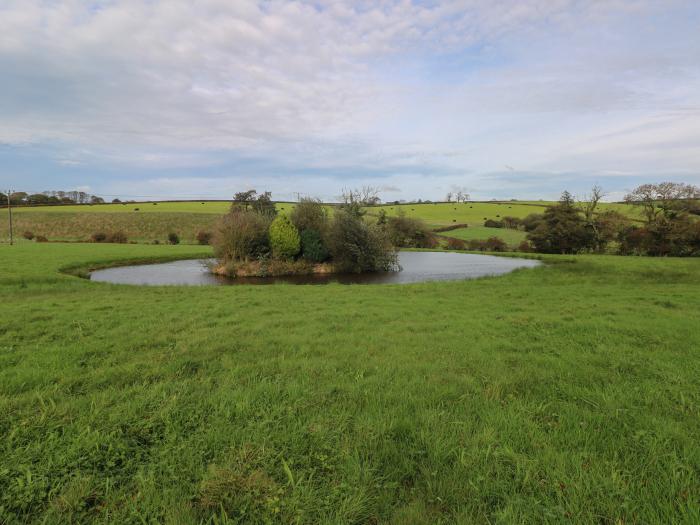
<point>590,203</point>
<point>666,198</point>
<point>448,197</point>
<point>364,196</point>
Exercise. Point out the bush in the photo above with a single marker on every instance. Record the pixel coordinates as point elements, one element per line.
<point>241,235</point>
<point>98,237</point>
<point>531,222</point>
<point>312,247</point>
<point>491,223</point>
<point>524,247</point>
<point>284,238</point>
<point>492,244</point>
<point>476,245</point>
<point>309,214</point>
<point>562,230</point>
<point>173,238</point>
<point>495,244</point>
<point>409,232</point>
<point>41,238</point>
<point>203,237</point>
<point>28,235</point>
<point>357,246</point>
<point>118,237</point>
<point>510,222</point>
<point>456,244</point>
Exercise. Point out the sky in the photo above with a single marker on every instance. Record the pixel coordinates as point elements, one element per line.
<point>202,98</point>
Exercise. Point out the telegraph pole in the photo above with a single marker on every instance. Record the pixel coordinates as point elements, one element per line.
<point>9,211</point>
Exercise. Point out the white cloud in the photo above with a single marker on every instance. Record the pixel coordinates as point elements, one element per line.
<point>455,87</point>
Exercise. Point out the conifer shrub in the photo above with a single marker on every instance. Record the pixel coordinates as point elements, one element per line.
<point>284,238</point>
<point>312,247</point>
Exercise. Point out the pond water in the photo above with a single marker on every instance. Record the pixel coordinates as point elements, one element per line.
<point>416,267</point>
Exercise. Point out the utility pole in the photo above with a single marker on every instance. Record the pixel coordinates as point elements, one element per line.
<point>9,211</point>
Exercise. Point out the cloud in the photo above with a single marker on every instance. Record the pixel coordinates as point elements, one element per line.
<point>450,91</point>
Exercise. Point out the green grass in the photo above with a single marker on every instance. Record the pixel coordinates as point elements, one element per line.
<point>568,393</point>
<point>511,237</point>
<point>475,213</point>
<point>145,222</point>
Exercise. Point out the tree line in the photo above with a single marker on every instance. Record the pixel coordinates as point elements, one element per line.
<point>668,224</point>
<point>57,197</point>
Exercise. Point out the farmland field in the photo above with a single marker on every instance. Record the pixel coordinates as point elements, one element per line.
<point>146,222</point>
<point>567,393</point>
<point>511,237</point>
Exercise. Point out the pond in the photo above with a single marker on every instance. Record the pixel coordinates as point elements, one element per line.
<point>416,267</point>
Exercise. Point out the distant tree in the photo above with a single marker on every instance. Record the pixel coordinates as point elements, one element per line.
<point>353,200</point>
<point>18,197</point>
<point>666,199</point>
<point>264,205</point>
<point>510,222</point>
<point>448,197</point>
<point>530,222</point>
<point>244,198</point>
<point>94,199</point>
<point>116,201</point>
<point>309,214</point>
<point>37,198</point>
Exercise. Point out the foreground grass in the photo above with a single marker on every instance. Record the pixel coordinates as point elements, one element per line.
<point>568,393</point>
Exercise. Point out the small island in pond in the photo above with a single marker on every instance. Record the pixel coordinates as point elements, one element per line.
<point>254,239</point>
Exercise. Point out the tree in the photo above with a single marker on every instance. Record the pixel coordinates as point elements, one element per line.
<point>666,199</point>
<point>37,198</point>
<point>244,198</point>
<point>241,235</point>
<point>309,214</point>
<point>562,230</point>
<point>264,205</point>
<point>357,246</point>
<point>448,197</point>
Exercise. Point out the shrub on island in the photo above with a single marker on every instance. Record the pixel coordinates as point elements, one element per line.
<point>251,241</point>
<point>284,238</point>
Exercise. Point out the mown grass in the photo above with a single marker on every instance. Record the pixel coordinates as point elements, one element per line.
<point>568,393</point>
<point>511,237</point>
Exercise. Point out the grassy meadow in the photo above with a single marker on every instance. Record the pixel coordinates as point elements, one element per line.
<point>569,393</point>
<point>147,221</point>
<point>511,237</point>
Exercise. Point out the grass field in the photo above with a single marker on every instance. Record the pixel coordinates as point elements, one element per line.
<point>475,213</point>
<point>565,394</point>
<point>511,237</point>
<point>146,222</point>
